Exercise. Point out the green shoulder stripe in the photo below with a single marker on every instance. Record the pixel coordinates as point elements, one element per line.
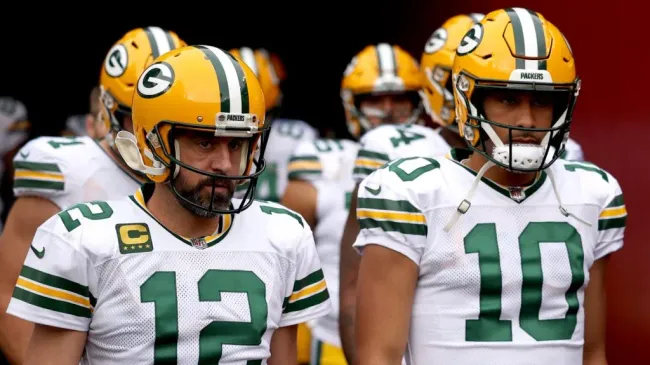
<point>52,292</point>
<point>391,216</point>
<point>38,175</point>
<point>307,292</point>
<point>614,215</point>
<point>304,165</point>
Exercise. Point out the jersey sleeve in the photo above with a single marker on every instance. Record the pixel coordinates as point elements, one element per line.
<point>611,221</point>
<point>40,170</point>
<point>53,286</point>
<point>305,162</point>
<point>389,216</point>
<point>373,154</point>
<point>308,297</point>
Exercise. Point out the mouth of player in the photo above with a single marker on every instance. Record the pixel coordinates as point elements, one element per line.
<point>525,140</point>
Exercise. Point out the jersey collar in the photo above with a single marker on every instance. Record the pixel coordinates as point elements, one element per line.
<point>144,193</point>
<point>516,194</point>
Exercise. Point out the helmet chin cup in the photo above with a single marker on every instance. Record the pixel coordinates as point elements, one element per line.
<point>524,157</point>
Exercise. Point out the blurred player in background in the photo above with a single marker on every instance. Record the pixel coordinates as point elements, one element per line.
<point>53,173</point>
<point>379,88</point>
<point>285,133</point>
<point>389,142</point>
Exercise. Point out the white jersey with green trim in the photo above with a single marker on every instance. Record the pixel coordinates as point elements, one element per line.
<point>69,170</point>
<point>285,135</point>
<point>147,296</point>
<point>327,164</point>
<point>322,159</point>
<point>392,141</point>
<point>573,151</point>
<point>507,281</point>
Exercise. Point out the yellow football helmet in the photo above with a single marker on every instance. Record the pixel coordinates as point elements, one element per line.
<point>202,88</point>
<point>123,65</point>
<point>514,49</point>
<point>435,63</point>
<point>260,62</point>
<point>376,70</point>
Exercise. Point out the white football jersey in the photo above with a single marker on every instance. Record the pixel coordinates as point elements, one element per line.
<point>508,280</point>
<point>392,141</point>
<point>328,164</point>
<point>573,151</point>
<point>146,295</point>
<point>69,170</point>
<point>285,135</point>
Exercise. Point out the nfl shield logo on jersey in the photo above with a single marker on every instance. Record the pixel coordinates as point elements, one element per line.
<point>199,243</point>
<point>517,193</point>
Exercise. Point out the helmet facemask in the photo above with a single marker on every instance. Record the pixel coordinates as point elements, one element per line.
<point>248,159</point>
<point>480,136</point>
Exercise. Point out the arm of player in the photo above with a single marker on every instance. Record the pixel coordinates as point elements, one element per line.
<point>302,197</point>
<point>308,297</point>
<point>349,269</point>
<point>284,345</point>
<point>611,230</point>
<point>595,315</point>
<point>25,216</point>
<point>53,288</point>
<point>392,241</point>
<point>48,340</point>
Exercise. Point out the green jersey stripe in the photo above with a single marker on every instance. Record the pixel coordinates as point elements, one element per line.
<point>309,302</point>
<point>605,224</point>
<point>38,184</point>
<point>364,171</point>
<point>304,158</point>
<point>416,229</point>
<point>308,280</point>
<point>373,155</point>
<point>51,304</point>
<point>296,174</point>
<point>37,166</point>
<point>618,201</point>
<point>54,281</point>
<point>386,204</point>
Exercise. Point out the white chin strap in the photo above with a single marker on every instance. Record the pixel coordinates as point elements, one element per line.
<point>127,145</point>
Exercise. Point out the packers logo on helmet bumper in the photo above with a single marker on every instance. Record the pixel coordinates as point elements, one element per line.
<point>208,90</point>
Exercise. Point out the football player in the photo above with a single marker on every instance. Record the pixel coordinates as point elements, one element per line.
<point>14,130</point>
<point>53,173</point>
<point>390,142</point>
<point>285,134</point>
<point>378,88</point>
<point>497,252</point>
<point>180,272</point>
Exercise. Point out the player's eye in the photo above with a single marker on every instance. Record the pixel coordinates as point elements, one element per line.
<point>205,144</point>
<point>235,144</point>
